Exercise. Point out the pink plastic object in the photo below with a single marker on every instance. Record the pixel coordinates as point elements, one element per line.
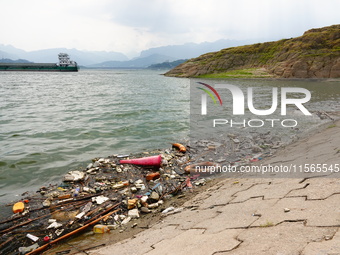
<point>147,161</point>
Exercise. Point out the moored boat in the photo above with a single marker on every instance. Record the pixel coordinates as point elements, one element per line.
<point>64,65</point>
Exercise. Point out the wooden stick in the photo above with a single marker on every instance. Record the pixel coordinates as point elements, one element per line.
<point>44,247</point>
<point>8,240</point>
<point>20,225</point>
<point>109,209</point>
<point>52,207</point>
<point>43,216</point>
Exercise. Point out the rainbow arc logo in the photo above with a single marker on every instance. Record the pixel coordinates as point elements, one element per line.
<point>209,92</point>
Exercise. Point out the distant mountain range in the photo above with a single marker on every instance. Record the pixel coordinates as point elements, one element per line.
<point>140,62</point>
<point>190,50</point>
<point>7,60</point>
<point>104,59</point>
<point>51,55</point>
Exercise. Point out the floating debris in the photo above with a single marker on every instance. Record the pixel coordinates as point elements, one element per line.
<point>100,229</point>
<point>18,207</point>
<point>180,147</point>
<point>74,176</point>
<point>116,191</point>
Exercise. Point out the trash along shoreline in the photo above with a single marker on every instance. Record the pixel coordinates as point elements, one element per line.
<point>113,193</point>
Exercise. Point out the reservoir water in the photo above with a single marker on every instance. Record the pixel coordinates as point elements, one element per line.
<point>51,123</point>
<point>54,122</point>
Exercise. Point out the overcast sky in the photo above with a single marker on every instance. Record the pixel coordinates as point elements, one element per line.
<point>130,26</point>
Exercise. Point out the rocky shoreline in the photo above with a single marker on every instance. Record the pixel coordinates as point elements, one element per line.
<point>255,215</point>
<point>120,196</point>
<point>315,55</point>
<point>106,186</point>
<point>130,190</point>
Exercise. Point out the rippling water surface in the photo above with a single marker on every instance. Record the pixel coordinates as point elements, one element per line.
<point>54,122</point>
<point>325,97</point>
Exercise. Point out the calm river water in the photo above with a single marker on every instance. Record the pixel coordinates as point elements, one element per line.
<point>54,122</point>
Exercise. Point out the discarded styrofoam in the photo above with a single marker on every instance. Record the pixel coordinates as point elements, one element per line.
<point>24,250</point>
<point>54,225</point>
<point>152,206</point>
<point>133,213</point>
<point>169,209</point>
<point>80,215</point>
<point>74,176</point>
<point>126,220</point>
<point>32,237</point>
<point>100,199</point>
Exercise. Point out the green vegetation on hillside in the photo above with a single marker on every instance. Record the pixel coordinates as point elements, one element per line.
<point>240,73</point>
<point>167,64</point>
<point>315,54</point>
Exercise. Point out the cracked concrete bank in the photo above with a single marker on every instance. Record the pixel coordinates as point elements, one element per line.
<point>298,215</point>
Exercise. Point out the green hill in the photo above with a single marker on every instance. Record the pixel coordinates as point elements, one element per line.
<point>167,64</point>
<point>315,54</point>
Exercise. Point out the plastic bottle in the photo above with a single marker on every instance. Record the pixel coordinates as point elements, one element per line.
<point>100,229</point>
<point>76,192</point>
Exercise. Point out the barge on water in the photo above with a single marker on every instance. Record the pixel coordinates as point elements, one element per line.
<point>64,65</point>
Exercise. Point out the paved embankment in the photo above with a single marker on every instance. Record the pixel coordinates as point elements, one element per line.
<point>256,215</point>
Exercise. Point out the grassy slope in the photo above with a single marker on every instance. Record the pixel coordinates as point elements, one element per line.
<point>251,59</point>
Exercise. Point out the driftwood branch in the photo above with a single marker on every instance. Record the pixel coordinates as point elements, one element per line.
<point>46,246</point>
